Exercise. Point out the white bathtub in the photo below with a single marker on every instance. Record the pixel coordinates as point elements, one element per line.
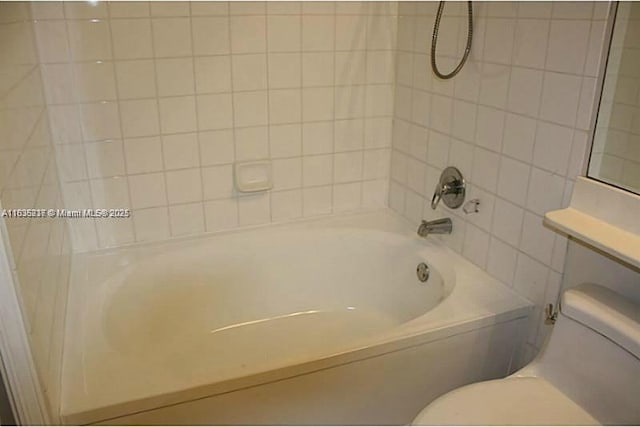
<point>316,322</point>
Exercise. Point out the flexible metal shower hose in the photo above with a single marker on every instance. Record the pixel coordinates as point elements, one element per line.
<point>434,42</point>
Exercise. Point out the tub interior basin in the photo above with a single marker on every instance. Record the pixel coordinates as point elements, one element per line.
<point>282,298</point>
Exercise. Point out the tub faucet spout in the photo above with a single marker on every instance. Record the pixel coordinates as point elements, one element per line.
<point>437,226</point>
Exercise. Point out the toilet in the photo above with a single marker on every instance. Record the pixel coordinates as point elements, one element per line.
<point>587,373</point>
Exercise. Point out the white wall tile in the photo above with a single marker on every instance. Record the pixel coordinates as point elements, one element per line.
<point>114,231</point>
<point>216,147</point>
<point>53,41</point>
<point>210,35</point>
<point>71,162</point>
<point>530,45</point>
<point>568,41</point>
<point>100,121</point>
<point>249,72</point>
<point>250,108</point>
<point>537,241</point>
<point>286,205</point>
<point>143,154</point>
<point>287,173</point>
<point>501,261</point>
<point>178,114</point>
<point>476,245</point>
<point>248,8</point>
<point>172,37</point>
<point>545,191</point>
<point>110,193</point>
<point>132,38</point>
<point>248,34</point>
<point>89,40</point>
<point>284,106</point>
<point>519,137</point>
<point>221,214</point>
<point>213,74</point>
<point>105,159</point>
<point>254,209</point>
<point>285,70</point>
<point>531,278</point>
<point>139,118</point>
<point>148,190</point>
<point>151,224</point>
<point>513,180</point>
<point>129,9</point>
<point>181,151</point>
<point>283,33</point>
<point>494,85</point>
<point>65,123</point>
<point>346,197</point>
<point>316,201</point>
<point>347,167</point>
<point>58,81</point>
<point>47,10</point>
<point>553,148</point>
<point>285,140</point>
<point>169,8</point>
<point>350,32</point>
<point>317,170</point>
<point>135,79</point>
<point>490,125</point>
<point>85,10</point>
<point>525,91</point>
<point>252,143</point>
<point>348,135</point>
<point>214,111</point>
<point>318,32</point>
<point>175,76</point>
<point>217,182</point>
<point>376,164</point>
<point>560,97</point>
<point>499,36</point>
<point>186,219</point>
<point>317,138</point>
<point>184,186</point>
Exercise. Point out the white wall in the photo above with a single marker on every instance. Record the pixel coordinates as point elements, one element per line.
<point>39,248</point>
<point>515,121</point>
<point>151,103</point>
<point>586,264</point>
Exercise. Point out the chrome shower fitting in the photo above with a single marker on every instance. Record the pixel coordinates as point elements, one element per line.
<point>434,41</point>
<point>437,226</point>
<point>450,189</point>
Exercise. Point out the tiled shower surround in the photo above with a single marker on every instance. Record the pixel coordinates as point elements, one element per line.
<point>515,121</point>
<point>40,248</point>
<point>150,104</point>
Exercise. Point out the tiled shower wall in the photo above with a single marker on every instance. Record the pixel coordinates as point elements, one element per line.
<point>40,248</point>
<point>152,103</point>
<point>514,121</point>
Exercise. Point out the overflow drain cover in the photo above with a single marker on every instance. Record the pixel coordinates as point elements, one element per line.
<point>422,271</point>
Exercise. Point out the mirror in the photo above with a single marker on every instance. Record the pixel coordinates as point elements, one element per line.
<point>615,153</point>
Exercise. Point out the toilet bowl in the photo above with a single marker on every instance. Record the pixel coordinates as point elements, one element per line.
<point>587,373</point>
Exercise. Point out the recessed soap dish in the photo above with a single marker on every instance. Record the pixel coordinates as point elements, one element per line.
<point>251,177</point>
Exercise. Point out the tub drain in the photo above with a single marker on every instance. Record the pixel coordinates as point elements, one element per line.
<point>422,271</point>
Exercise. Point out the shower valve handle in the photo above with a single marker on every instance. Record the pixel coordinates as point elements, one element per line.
<point>450,189</point>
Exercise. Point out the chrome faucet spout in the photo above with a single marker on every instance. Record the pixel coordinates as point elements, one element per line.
<point>437,226</point>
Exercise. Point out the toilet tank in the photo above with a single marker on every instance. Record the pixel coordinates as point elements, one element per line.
<point>593,354</point>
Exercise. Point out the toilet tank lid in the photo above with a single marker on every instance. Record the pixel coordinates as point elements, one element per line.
<point>606,312</point>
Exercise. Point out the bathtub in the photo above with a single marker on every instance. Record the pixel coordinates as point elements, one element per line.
<point>317,322</point>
